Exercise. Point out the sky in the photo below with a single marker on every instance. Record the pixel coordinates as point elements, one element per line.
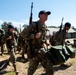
<point>18,11</point>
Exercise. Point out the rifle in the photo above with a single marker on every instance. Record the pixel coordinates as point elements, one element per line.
<point>29,48</point>
<point>30,20</point>
<point>61,24</point>
<point>53,41</point>
<point>61,29</point>
<point>20,28</point>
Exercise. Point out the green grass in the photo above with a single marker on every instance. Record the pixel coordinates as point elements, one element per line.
<point>10,73</point>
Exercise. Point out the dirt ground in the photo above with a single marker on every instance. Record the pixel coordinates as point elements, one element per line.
<point>22,66</point>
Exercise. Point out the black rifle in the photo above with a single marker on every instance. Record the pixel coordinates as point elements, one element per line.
<point>29,49</point>
<point>60,27</point>
<point>53,41</point>
<point>61,24</point>
<point>30,20</point>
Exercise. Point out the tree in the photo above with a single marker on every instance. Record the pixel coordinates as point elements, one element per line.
<point>5,26</point>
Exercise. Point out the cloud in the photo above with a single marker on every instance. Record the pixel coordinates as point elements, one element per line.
<point>1,21</point>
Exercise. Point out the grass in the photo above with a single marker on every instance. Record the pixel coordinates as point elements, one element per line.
<point>10,73</point>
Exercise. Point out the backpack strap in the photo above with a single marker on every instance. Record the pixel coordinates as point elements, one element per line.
<point>37,28</point>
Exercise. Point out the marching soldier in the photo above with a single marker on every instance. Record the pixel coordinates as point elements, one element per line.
<point>60,36</point>
<point>37,34</point>
<point>9,39</point>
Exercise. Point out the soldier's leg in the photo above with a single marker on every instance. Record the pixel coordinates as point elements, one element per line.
<point>33,64</point>
<point>2,49</point>
<point>23,52</point>
<point>13,61</point>
<point>47,64</point>
<point>12,58</point>
<point>19,49</point>
<point>8,47</point>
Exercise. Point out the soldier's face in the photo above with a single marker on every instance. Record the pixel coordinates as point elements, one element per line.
<point>11,29</point>
<point>67,28</point>
<point>44,17</point>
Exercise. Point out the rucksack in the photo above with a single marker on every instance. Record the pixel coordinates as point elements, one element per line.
<point>58,54</point>
<point>24,34</point>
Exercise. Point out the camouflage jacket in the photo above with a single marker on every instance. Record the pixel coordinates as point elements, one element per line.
<point>6,36</point>
<point>59,38</point>
<point>34,28</point>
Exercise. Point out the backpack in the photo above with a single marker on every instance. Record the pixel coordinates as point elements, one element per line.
<point>57,54</point>
<point>24,34</point>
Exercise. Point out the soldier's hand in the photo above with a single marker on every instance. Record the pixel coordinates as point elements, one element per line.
<point>10,37</point>
<point>47,42</point>
<point>38,35</point>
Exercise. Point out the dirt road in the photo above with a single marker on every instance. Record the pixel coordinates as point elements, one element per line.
<point>22,66</point>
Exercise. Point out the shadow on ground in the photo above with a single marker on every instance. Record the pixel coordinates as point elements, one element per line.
<point>23,60</point>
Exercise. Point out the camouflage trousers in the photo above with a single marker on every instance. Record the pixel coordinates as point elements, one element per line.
<point>45,62</point>
<point>12,56</point>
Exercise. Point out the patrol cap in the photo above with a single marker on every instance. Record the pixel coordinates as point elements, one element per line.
<point>67,24</point>
<point>11,26</point>
<point>44,12</point>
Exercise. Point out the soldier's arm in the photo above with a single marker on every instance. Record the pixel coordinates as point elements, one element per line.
<point>4,38</point>
<point>16,34</point>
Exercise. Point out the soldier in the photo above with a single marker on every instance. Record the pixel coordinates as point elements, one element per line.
<point>37,33</point>
<point>60,36</point>
<point>1,44</point>
<point>21,46</point>
<point>8,38</point>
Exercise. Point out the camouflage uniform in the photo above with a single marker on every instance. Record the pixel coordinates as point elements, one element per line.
<point>60,37</point>
<point>1,44</point>
<point>10,43</point>
<point>21,46</point>
<point>38,49</point>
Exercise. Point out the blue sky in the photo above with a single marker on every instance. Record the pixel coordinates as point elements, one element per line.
<point>18,11</point>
